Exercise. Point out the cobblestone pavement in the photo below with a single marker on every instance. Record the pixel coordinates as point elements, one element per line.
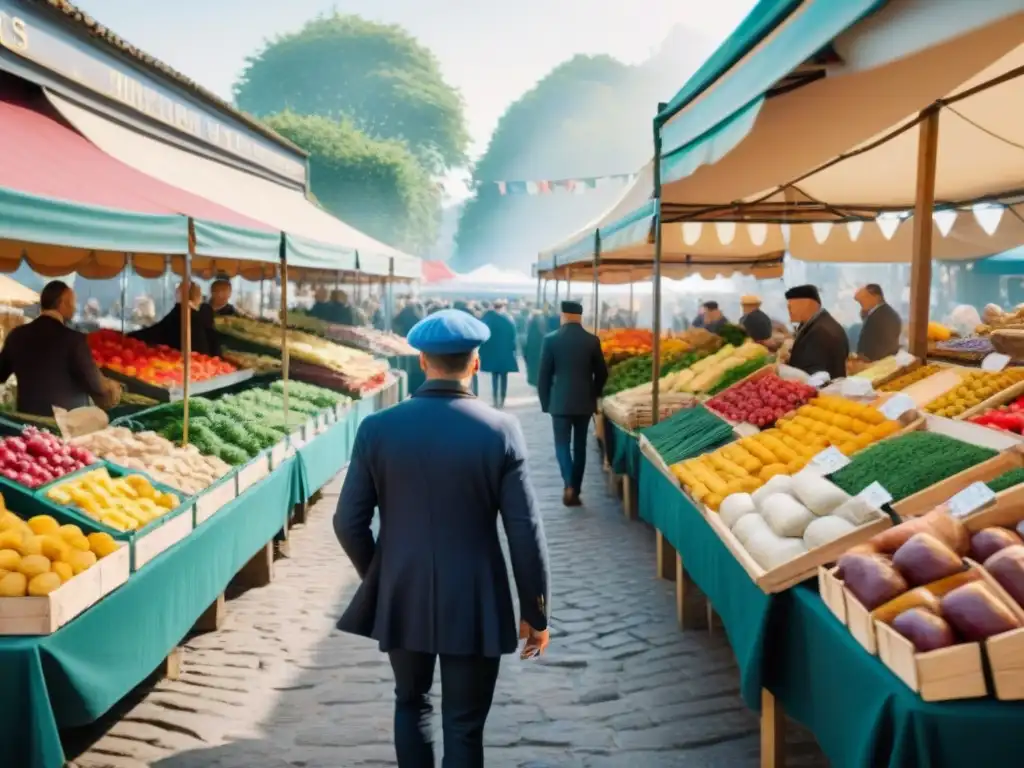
<point>277,686</point>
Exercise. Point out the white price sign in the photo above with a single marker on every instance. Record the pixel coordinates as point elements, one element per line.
<point>819,379</point>
<point>904,358</point>
<point>828,461</point>
<point>875,495</point>
<point>970,499</point>
<point>854,387</point>
<point>995,362</point>
<point>897,405</point>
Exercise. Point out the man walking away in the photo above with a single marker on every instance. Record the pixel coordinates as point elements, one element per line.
<point>441,467</point>
<point>572,377</point>
<point>498,353</point>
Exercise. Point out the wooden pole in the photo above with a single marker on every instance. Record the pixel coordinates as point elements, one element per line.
<point>597,282</point>
<point>284,334</point>
<point>186,329</point>
<point>632,315</point>
<point>921,265</point>
<point>124,288</point>
<point>656,281</point>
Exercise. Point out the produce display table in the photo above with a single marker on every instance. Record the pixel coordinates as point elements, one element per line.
<point>794,655</point>
<point>410,365</point>
<point>323,457</point>
<point>623,453</point>
<point>74,676</point>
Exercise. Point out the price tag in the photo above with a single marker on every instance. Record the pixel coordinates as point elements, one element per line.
<point>897,405</point>
<point>828,461</point>
<point>904,358</point>
<point>819,379</point>
<point>875,495</point>
<point>995,362</point>
<point>854,387</point>
<point>970,499</point>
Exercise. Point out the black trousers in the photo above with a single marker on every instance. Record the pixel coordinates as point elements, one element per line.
<point>467,689</point>
<point>571,430</point>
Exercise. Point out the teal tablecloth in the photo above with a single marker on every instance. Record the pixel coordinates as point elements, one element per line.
<point>622,449</point>
<point>74,676</point>
<point>325,455</point>
<point>862,715</point>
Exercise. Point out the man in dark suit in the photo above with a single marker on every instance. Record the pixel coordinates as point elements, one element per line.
<point>52,362</point>
<point>754,320</point>
<point>498,353</point>
<point>880,333</point>
<point>441,467</point>
<point>205,339</point>
<point>820,343</point>
<point>572,376</point>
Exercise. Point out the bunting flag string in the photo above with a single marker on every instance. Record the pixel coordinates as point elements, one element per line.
<point>575,186</point>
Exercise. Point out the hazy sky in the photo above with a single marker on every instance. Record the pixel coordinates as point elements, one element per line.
<point>492,50</point>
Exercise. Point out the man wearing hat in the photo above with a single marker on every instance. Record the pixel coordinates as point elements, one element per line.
<point>441,466</point>
<point>572,376</point>
<point>820,343</point>
<point>712,319</point>
<point>754,321</point>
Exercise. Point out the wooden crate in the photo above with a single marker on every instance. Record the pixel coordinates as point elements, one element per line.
<point>831,590</point>
<point>215,498</point>
<point>999,398</point>
<point>159,539</point>
<point>45,615</point>
<point>649,451</point>
<point>950,673</point>
<point>1006,502</point>
<point>860,622</point>
<point>279,454</point>
<point>1005,652</point>
<point>253,472</point>
<point>800,568</point>
<point>910,368</point>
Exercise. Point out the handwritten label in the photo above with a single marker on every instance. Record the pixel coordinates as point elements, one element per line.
<point>904,358</point>
<point>970,499</point>
<point>828,461</point>
<point>819,379</point>
<point>995,362</point>
<point>897,405</point>
<point>855,387</point>
<point>875,495</point>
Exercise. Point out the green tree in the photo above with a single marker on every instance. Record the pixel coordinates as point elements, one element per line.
<point>375,185</point>
<point>377,76</point>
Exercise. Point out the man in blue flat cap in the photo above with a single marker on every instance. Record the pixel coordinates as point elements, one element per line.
<point>572,376</point>
<point>441,467</point>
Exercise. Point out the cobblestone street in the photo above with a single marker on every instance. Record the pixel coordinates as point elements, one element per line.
<point>622,686</point>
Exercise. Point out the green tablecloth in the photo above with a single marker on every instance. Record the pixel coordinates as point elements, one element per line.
<point>622,449</point>
<point>410,365</point>
<point>862,715</point>
<point>74,676</point>
<point>323,457</point>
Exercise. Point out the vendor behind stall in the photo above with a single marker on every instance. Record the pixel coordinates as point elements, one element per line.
<point>713,318</point>
<point>220,298</point>
<point>168,331</point>
<point>52,363</point>
<point>820,343</point>
<point>880,332</point>
<point>755,322</point>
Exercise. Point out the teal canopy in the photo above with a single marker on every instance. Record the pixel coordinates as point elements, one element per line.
<point>303,253</point>
<point>1006,263</point>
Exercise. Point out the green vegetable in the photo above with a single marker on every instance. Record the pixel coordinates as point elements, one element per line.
<point>909,463</point>
<point>637,370</point>
<point>732,334</point>
<point>1006,480</point>
<point>687,433</point>
<point>232,454</point>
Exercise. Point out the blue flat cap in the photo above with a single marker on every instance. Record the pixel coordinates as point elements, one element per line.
<point>448,332</point>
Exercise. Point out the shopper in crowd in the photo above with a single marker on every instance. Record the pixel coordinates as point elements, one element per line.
<point>536,330</point>
<point>712,317</point>
<point>498,353</point>
<point>434,582</point>
<point>321,308</point>
<point>205,339</point>
<point>220,298</point>
<point>698,320</point>
<point>572,376</point>
<point>880,334</point>
<point>820,343</point>
<point>51,362</point>
<point>339,311</point>
<point>407,317</point>
<point>755,322</point>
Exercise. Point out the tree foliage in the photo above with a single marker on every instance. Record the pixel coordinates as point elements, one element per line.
<point>375,185</point>
<point>377,76</point>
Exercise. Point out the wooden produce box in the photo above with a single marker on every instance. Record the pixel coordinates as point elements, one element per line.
<point>1003,397</point>
<point>45,615</point>
<point>1005,652</point>
<point>831,590</point>
<point>279,454</point>
<point>801,568</point>
<point>176,525</point>
<point>1008,503</point>
<point>256,470</point>
<point>216,497</point>
<point>649,451</point>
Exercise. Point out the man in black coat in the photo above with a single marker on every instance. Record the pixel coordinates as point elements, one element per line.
<point>572,376</point>
<point>880,333</point>
<point>820,343</point>
<point>205,339</point>
<point>755,322</point>
<point>441,467</point>
<point>51,362</point>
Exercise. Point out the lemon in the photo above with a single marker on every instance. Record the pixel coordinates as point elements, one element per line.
<point>102,544</point>
<point>80,561</point>
<point>54,548</point>
<point>9,559</point>
<point>78,542</point>
<point>31,545</point>
<point>69,532</point>
<point>10,539</point>
<point>13,585</point>
<point>43,524</point>
<point>33,565</point>
<point>65,571</point>
<point>43,584</point>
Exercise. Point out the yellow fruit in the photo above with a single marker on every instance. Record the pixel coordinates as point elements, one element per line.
<point>10,520</point>
<point>80,561</point>
<point>13,585</point>
<point>65,571</point>
<point>69,532</point>
<point>9,559</point>
<point>78,542</point>
<point>102,544</point>
<point>44,584</point>
<point>59,495</point>
<point>54,548</point>
<point>31,545</point>
<point>43,524</point>
<point>10,539</point>
<point>33,565</point>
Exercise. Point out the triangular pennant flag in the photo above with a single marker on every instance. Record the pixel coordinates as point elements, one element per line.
<point>543,187</point>
<point>944,220</point>
<point>988,216</point>
<point>502,188</point>
<point>517,187</point>
<point>853,229</point>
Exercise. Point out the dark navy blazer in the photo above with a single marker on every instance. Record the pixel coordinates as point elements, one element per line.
<point>441,467</point>
<point>572,372</point>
